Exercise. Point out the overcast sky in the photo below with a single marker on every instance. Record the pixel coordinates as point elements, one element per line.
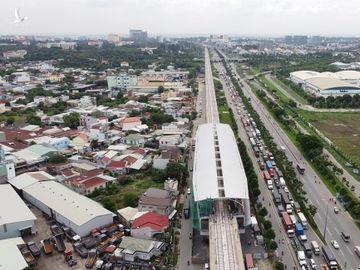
<point>234,17</point>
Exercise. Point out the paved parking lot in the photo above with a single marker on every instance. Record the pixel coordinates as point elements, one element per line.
<point>56,260</point>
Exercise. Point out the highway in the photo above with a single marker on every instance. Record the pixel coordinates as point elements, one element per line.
<point>317,193</point>
<point>285,251</point>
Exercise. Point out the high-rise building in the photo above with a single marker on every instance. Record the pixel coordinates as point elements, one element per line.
<point>138,35</point>
<point>288,39</point>
<point>300,40</point>
<point>113,38</point>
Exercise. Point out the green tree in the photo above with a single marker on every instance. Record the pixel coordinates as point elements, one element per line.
<point>279,266</point>
<point>33,120</point>
<point>109,204</point>
<point>312,209</point>
<point>175,170</point>
<point>270,234</point>
<point>143,99</point>
<point>10,120</point>
<point>72,120</point>
<point>130,199</point>
<point>160,89</point>
<point>57,158</point>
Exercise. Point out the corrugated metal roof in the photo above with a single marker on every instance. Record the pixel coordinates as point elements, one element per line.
<point>75,207</point>
<point>10,255</point>
<point>205,171</point>
<point>18,211</point>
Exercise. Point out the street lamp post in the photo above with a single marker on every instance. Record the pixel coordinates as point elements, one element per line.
<point>326,218</point>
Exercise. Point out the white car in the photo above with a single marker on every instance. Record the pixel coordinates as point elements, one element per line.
<point>335,244</point>
<point>312,264</point>
<point>188,191</point>
<point>286,189</point>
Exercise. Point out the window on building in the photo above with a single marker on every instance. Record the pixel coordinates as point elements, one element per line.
<point>5,228</point>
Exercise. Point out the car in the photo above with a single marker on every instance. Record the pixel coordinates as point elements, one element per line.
<point>191,169</point>
<point>286,189</point>
<point>206,266</point>
<point>336,210</point>
<point>312,264</point>
<point>335,244</point>
<point>188,191</point>
<point>190,236</point>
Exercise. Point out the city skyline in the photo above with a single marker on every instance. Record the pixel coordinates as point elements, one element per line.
<point>182,17</point>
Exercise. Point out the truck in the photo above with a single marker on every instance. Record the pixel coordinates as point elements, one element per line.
<point>29,258</point>
<point>287,224</point>
<point>307,249</point>
<point>91,258</point>
<point>271,172</point>
<point>71,235</point>
<point>59,242</point>
<point>34,249</point>
<point>256,151</point>
<point>186,209</point>
<point>285,200</point>
<point>268,164</point>
<point>282,181</point>
<point>303,220</point>
<point>315,247</point>
<point>261,165</point>
<point>299,229</point>
<point>47,246</point>
<point>276,196</point>
<point>300,169</point>
<point>301,258</point>
<point>80,249</point>
<point>293,219</point>
<point>56,230</point>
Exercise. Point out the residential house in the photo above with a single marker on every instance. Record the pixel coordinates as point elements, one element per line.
<point>157,200</point>
<point>134,139</point>
<point>131,249</point>
<point>167,155</point>
<point>129,123</point>
<point>149,225</point>
<point>169,141</point>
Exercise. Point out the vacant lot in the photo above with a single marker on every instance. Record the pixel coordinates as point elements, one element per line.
<point>343,129</point>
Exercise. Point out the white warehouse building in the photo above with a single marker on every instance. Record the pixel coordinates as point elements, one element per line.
<point>328,83</point>
<point>67,207</point>
<point>16,219</point>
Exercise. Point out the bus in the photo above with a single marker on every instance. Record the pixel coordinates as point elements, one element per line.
<point>249,263</point>
<point>329,258</point>
<point>252,141</point>
<point>303,220</point>
<point>300,169</point>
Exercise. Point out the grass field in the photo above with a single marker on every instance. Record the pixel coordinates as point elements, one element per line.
<point>224,114</point>
<point>343,129</point>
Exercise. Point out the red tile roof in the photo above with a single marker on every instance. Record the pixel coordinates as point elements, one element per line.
<point>151,220</point>
<point>130,120</point>
<point>116,164</point>
<point>93,182</point>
